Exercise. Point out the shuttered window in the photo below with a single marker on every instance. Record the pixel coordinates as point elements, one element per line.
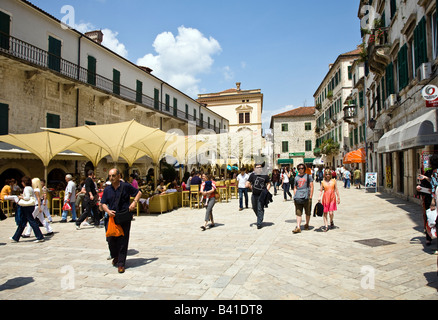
<point>403,76</point>
<point>53,121</point>
<point>156,99</point>
<point>54,59</point>
<point>175,107</point>
<point>92,68</point>
<point>420,43</point>
<point>5,27</point>
<point>167,102</point>
<point>139,92</point>
<point>116,81</point>
<point>4,119</point>
<point>389,77</point>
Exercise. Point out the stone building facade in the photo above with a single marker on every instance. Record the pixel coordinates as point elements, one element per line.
<point>401,49</point>
<point>294,137</point>
<point>330,100</point>
<point>52,76</point>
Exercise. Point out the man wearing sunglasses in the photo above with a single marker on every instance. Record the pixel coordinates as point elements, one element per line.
<point>303,190</point>
<point>258,182</point>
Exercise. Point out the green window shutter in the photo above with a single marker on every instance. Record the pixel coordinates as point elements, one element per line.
<point>167,102</point>
<point>309,145</point>
<point>422,41</point>
<point>156,99</point>
<point>91,72</point>
<point>54,57</point>
<point>361,104</point>
<point>175,107</point>
<point>187,111</point>
<point>53,121</point>
<point>393,7</point>
<point>403,67</point>
<point>285,146</point>
<point>4,119</point>
<point>116,81</point>
<point>139,92</point>
<point>389,77</point>
<point>5,30</point>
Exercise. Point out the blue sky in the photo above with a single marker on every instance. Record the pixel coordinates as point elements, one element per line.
<point>282,47</point>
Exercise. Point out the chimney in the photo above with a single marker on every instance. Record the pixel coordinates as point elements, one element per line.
<point>96,36</point>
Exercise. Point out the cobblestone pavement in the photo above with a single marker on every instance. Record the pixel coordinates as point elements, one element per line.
<point>170,258</point>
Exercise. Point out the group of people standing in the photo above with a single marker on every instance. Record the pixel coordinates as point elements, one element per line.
<point>302,187</point>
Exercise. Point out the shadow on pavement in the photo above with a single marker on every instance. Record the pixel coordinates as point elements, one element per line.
<point>16,283</point>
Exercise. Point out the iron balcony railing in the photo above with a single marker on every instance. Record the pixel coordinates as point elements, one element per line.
<point>22,50</point>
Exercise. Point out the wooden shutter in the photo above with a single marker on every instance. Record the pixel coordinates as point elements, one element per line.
<point>53,121</point>
<point>175,107</point>
<point>4,119</point>
<point>92,70</point>
<point>116,81</point>
<point>139,92</point>
<point>403,78</point>
<point>54,58</point>
<point>389,79</point>
<point>156,99</point>
<point>5,29</point>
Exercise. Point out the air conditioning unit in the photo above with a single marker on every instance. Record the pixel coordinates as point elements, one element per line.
<point>391,102</point>
<point>424,71</point>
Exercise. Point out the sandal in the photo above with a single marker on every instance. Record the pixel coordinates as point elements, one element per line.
<point>203,228</point>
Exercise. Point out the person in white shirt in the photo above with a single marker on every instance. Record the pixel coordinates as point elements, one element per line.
<point>285,180</point>
<point>242,178</point>
<point>38,213</point>
<point>70,195</point>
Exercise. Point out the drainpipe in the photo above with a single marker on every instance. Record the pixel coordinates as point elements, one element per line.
<point>77,91</point>
<point>78,76</point>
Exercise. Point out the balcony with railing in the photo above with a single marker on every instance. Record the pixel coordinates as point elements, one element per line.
<point>16,48</point>
<point>378,50</point>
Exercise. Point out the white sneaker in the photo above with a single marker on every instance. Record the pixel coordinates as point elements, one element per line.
<point>12,240</point>
<point>38,241</point>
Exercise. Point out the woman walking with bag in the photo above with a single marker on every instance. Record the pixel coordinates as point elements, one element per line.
<point>329,197</point>
<point>27,204</point>
<point>38,213</point>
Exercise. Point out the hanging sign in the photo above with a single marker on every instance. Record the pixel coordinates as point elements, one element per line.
<point>430,95</point>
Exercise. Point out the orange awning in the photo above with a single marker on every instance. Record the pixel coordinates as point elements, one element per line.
<point>357,156</point>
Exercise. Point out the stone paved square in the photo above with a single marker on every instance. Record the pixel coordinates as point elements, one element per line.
<point>170,258</point>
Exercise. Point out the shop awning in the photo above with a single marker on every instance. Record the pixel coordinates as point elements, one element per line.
<point>416,133</point>
<point>357,156</point>
<point>285,161</point>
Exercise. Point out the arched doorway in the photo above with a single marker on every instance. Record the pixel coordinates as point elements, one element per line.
<point>56,179</point>
<point>11,174</point>
<point>88,166</point>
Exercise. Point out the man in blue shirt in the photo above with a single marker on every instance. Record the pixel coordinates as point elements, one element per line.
<point>118,246</point>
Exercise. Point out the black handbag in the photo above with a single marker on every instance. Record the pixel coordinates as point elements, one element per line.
<point>122,216</point>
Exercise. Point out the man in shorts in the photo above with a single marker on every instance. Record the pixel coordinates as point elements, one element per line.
<point>303,191</point>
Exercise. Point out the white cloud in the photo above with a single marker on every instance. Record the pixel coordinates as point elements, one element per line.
<point>111,42</point>
<point>228,73</point>
<point>181,59</point>
<point>109,38</point>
